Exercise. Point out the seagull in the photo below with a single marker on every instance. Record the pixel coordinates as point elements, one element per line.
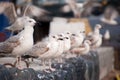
<point>20,43</point>
<point>17,26</point>
<point>82,50</point>
<point>45,49</point>
<point>97,43</point>
<point>110,15</point>
<point>60,49</point>
<point>72,6</point>
<point>76,40</point>
<point>95,32</point>
<point>67,43</point>
<point>107,35</point>
<point>80,10</point>
<point>68,33</point>
<point>95,37</point>
<point>87,7</point>
<point>16,20</point>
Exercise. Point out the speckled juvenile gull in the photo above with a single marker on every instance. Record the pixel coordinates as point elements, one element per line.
<point>45,49</point>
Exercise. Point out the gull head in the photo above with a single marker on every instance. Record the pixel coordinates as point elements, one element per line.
<point>60,39</point>
<point>29,22</point>
<point>67,38</point>
<point>68,33</point>
<point>87,41</point>
<point>53,37</point>
<point>61,35</point>
<point>98,26</point>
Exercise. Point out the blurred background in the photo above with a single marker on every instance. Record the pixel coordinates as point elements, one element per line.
<point>91,12</point>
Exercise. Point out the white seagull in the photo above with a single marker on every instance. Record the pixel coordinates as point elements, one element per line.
<point>95,37</point>
<point>107,35</point>
<point>76,40</point>
<point>72,6</point>
<point>60,49</point>
<point>45,49</point>
<point>20,43</point>
<point>82,50</point>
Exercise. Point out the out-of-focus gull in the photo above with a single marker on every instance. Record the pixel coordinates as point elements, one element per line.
<point>67,43</point>
<point>8,9</point>
<point>72,6</point>
<point>31,10</point>
<point>60,49</point>
<point>95,37</point>
<point>80,10</point>
<point>107,35</point>
<point>84,49</point>
<point>109,16</point>
<point>68,33</point>
<point>76,39</point>
<point>18,25</point>
<point>97,43</point>
<point>88,6</point>
<point>20,43</point>
<point>16,20</point>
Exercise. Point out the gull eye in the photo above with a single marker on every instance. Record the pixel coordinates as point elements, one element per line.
<point>83,31</point>
<point>68,33</point>
<point>53,36</point>
<point>60,35</point>
<point>73,34</point>
<point>66,38</point>
<point>30,21</point>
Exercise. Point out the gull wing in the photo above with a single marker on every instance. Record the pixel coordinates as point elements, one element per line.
<point>38,49</point>
<point>31,10</point>
<point>8,9</point>
<point>9,44</point>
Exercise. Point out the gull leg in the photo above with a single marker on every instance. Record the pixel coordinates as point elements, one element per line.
<point>60,60</point>
<point>17,63</point>
<point>51,69</point>
<point>43,63</point>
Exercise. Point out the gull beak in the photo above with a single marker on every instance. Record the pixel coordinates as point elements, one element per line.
<point>60,39</point>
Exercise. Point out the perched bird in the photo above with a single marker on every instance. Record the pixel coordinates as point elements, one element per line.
<point>68,33</point>
<point>67,43</point>
<point>20,43</point>
<point>107,35</point>
<point>60,49</point>
<point>76,40</point>
<point>17,20</point>
<point>44,50</point>
<point>95,37</point>
<point>97,43</point>
<point>17,26</point>
<point>109,16</point>
<point>84,49</point>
